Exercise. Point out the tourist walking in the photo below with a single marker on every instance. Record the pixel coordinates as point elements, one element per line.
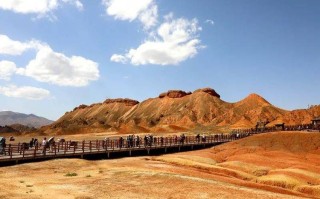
<point>44,145</point>
<point>2,146</point>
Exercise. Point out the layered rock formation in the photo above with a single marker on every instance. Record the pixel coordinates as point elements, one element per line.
<point>176,110</point>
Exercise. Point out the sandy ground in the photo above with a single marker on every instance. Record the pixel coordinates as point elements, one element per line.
<point>122,178</point>
<point>277,165</point>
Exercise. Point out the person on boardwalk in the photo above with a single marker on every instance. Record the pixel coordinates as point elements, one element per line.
<point>2,146</point>
<point>138,141</point>
<point>44,145</point>
<point>203,138</point>
<point>31,143</point>
<point>145,141</point>
<point>198,137</point>
<point>35,143</point>
<point>120,142</point>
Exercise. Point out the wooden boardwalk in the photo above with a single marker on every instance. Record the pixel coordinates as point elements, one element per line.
<point>18,153</point>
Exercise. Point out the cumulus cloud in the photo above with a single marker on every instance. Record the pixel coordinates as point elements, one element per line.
<point>118,58</point>
<point>40,7</point>
<point>12,47</point>
<point>27,92</point>
<point>175,41</point>
<point>57,68</point>
<point>144,10</point>
<point>7,69</point>
<point>48,65</point>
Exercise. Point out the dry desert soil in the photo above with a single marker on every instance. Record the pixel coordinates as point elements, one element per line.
<point>271,165</point>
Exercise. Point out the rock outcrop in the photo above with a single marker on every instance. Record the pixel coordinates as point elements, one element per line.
<point>126,101</point>
<point>210,91</point>
<point>174,94</point>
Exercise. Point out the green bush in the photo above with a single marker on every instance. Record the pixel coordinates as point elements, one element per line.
<point>71,174</point>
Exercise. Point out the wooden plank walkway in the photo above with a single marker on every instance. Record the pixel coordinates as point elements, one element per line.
<point>18,153</point>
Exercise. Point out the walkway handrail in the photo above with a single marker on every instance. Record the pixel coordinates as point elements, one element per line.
<point>131,143</point>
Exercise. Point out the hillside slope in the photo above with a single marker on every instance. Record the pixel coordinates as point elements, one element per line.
<point>9,118</point>
<point>176,110</point>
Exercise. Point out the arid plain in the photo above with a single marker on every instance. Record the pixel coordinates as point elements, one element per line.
<point>272,165</point>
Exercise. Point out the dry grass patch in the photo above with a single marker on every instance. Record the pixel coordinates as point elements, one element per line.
<point>71,174</point>
<point>245,167</point>
<point>207,167</point>
<point>307,177</point>
<point>310,190</point>
<point>279,180</point>
<point>198,159</point>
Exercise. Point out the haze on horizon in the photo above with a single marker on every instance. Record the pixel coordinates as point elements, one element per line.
<point>58,54</point>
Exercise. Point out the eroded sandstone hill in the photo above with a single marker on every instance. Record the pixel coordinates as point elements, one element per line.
<point>176,110</point>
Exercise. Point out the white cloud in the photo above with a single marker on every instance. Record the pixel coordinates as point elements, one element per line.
<point>29,6</point>
<point>40,7</point>
<point>149,17</point>
<point>56,68</point>
<point>175,41</point>
<point>118,58</point>
<point>48,65</point>
<point>144,10</point>
<point>76,3</point>
<point>12,47</point>
<point>7,69</point>
<point>209,21</point>
<point>26,92</point>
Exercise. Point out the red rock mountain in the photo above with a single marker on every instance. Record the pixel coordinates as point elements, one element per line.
<point>176,110</point>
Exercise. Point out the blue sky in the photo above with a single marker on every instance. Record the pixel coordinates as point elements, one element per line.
<point>58,54</point>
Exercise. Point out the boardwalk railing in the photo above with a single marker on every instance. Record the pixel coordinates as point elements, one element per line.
<point>22,151</point>
<point>301,127</point>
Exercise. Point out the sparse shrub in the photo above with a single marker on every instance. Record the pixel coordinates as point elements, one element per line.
<point>21,181</point>
<point>29,185</point>
<point>71,174</point>
<point>260,172</point>
<point>88,176</point>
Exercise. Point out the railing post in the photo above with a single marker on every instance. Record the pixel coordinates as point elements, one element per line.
<point>90,144</point>
<point>97,145</point>
<point>83,142</point>
<point>10,151</point>
<point>19,149</point>
<point>65,147</point>
<point>35,151</point>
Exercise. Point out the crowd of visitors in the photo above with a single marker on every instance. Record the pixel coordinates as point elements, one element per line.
<point>131,141</point>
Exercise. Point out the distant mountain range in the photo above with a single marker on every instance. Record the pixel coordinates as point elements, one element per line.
<point>8,118</point>
<point>176,110</point>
